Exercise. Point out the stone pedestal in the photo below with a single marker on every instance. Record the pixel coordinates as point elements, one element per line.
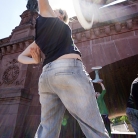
<point>14,105</point>
<point>18,89</point>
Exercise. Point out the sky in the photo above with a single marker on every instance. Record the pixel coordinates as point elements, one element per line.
<point>10,11</point>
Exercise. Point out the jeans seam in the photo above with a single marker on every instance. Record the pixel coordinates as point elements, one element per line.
<point>50,85</point>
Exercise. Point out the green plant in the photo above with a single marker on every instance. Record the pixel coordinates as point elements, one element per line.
<point>119,119</point>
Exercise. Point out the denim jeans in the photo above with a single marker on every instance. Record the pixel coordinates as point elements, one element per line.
<point>64,84</point>
<point>107,123</point>
<point>133,119</point>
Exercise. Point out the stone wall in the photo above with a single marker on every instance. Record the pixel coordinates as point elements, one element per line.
<point>104,45</point>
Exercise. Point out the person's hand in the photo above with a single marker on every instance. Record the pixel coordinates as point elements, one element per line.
<point>99,82</point>
<point>35,53</point>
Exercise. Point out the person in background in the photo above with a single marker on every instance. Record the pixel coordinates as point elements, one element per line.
<point>132,106</point>
<point>64,83</point>
<point>102,108</point>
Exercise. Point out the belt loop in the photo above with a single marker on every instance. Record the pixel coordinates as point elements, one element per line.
<point>75,62</point>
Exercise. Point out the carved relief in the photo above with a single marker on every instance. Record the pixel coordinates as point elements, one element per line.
<point>28,17</point>
<point>19,82</point>
<point>10,74</point>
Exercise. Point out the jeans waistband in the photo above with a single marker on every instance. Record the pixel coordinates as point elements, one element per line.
<point>63,63</point>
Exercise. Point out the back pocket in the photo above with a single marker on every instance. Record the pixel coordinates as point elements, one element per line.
<point>64,73</point>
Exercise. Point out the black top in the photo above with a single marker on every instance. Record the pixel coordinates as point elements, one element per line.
<point>53,37</point>
<point>133,98</point>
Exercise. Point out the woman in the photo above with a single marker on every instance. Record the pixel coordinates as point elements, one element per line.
<point>64,83</point>
<point>102,107</point>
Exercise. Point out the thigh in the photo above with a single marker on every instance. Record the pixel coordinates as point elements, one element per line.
<point>133,118</point>
<point>74,88</point>
<point>130,114</point>
<point>51,105</point>
<point>52,111</point>
<point>76,91</point>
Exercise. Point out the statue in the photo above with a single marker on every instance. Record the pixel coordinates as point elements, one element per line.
<point>32,5</point>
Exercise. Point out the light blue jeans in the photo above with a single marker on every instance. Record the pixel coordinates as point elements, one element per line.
<point>64,84</point>
<point>133,119</point>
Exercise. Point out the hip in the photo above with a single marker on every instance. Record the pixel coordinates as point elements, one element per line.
<point>70,56</point>
<point>69,68</point>
<point>65,73</point>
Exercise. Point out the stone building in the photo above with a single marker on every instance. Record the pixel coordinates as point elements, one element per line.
<point>112,44</point>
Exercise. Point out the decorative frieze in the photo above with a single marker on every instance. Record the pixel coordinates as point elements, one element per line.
<point>111,29</point>
<point>21,46</point>
<point>88,34</point>
<point>97,31</point>
<point>3,50</point>
<point>129,24</point>
<point>107,29</point>
<point>27,43</point>
<point>14,47</point>
<point>8,49</point>
<point>118,27</point>
<point>78,36</point>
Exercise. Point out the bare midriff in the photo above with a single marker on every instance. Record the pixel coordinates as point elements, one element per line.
<point>70,56</point>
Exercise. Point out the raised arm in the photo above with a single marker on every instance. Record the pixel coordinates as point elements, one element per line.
<point>45,9</point>
<point>103,88</point>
